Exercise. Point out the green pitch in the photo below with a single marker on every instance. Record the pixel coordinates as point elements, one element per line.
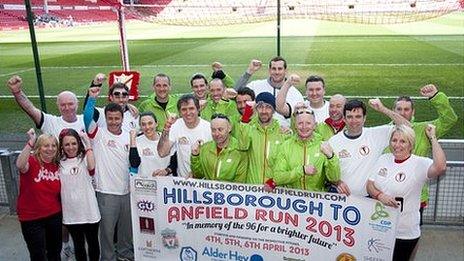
<point>355,60</point>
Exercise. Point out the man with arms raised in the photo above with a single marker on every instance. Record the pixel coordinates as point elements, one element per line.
<point>111,145</point>
<point>359,147</point>
<point>184,133</point>
<point>67,105</point>
<point>277,72</point>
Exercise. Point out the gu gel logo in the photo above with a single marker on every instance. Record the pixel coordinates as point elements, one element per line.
<point>145,205</point>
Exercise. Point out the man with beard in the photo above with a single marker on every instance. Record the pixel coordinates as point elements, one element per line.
<point>184,133</point>
<point>260,138</point>
<point>304,161</point>
<point>221,158</point>
<point>277,72</point>
<point>244,95</point>
<point>162,103</point>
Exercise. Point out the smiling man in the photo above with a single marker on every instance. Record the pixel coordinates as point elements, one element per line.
<point>184,133</point>
<point>277,75</point>
<point>359,147</point>
<point>111,145</point>
<point>66,102</point>
<point>215,102</point>
<point>221,158</point>
<point>162,103</point>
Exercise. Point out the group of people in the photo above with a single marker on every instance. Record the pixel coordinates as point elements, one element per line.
<point>259,132</point>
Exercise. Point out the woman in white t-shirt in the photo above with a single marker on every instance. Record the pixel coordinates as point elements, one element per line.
<point>80,208</point>
<point>397,181</point>
<point>143,154</point>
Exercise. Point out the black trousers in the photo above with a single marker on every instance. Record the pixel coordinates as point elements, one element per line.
<point>80,233</point>
<point>43,237</point>
<point>404,249</point>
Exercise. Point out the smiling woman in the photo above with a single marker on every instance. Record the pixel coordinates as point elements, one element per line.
<point>397,180</point>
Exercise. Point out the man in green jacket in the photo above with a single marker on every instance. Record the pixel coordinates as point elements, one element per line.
<point>445,121</point>
<point>161,102</point>
<point>304,161</point>
<point>215,102</point>
<point>260,137</point>
<point>221,158</point>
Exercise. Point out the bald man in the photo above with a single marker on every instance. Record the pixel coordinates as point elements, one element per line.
<point>67,105</point>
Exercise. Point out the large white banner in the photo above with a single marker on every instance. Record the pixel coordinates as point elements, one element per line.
<point>189,220</point>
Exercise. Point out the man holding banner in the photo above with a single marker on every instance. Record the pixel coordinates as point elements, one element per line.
<point>304,161</point>
<point>221,158</point>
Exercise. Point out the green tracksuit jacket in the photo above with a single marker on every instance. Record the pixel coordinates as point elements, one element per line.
<point>161,115</point>
<point>293,154</point>
<point>226,107</point>
<point>260,143</point>
<point>229,165</point>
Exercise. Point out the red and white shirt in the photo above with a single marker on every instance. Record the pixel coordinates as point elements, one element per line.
<point>39,191</point>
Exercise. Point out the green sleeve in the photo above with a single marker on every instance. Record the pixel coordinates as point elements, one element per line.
<point>228,81</point>
<point>240,177</point>
<point>332,169</point>
<point>243,136</point>
<point>282,173</point>
<point>447,118</point>
<point>195,166</point>
<point>142,106</point>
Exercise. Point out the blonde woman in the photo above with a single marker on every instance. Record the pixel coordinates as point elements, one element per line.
<point>39,206</point>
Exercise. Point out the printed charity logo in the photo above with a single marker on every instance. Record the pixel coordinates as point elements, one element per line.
<point>380,219</point>
<point>376,245</point>
<point>145,185</point>
<point>344,154</point>
<point>345,257</point>
<point>188,254</point>
<point>169,238</point>
<point>74,170</point>
<point>400,177</point>
<point>45,174</point>
<point>147,152</point>
<point>364,150</point>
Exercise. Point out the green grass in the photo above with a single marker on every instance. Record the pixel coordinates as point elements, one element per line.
<point>354,59</point>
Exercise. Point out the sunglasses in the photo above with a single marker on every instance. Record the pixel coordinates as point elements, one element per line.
<point>302,111</point>
<point>118,94</point>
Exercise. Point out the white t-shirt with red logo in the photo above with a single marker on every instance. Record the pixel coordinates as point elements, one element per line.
<point>129,122</point>
<point>112,161</point>
<point>54,124</point>
<point>77,193</point>
<point>184,138</point>
<point>149,157</point>
<point>404,180</point>
<point>39,191</point>
<point>358,156</point>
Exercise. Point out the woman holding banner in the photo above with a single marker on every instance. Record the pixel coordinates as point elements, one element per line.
<point>397,180</point>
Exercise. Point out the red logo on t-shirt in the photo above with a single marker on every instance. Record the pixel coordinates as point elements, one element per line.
<point>364,150</point>
<point>400,177</point>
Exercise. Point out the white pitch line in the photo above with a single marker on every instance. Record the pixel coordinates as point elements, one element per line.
<point>346,96</point>
<point>16,72</point>
<point>245,65</point>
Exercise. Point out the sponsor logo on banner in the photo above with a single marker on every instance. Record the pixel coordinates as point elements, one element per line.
<point>169,239</point>
<point>345,257</point>
<point>188,254</point>
<point>145,206</point>
<point>147,225</point>
<point>218,254</point>
<point>380,217</point>
<point>145,186</point>
<point>375,245</point>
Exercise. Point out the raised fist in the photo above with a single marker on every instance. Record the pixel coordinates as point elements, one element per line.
<point>309,170</point>
<point>14,83</point>
<point>32,136</point>
<point>94,91</point>
<point>99,79</point>
<point>327,149</point>
<point>230,93</point>
<point>430,130</point>
<point>428,90</point>
<point>216,66</point>
<point>293,80</point>
<point>196,147</point>
<point>254,66</point>
<point>376,104</point>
